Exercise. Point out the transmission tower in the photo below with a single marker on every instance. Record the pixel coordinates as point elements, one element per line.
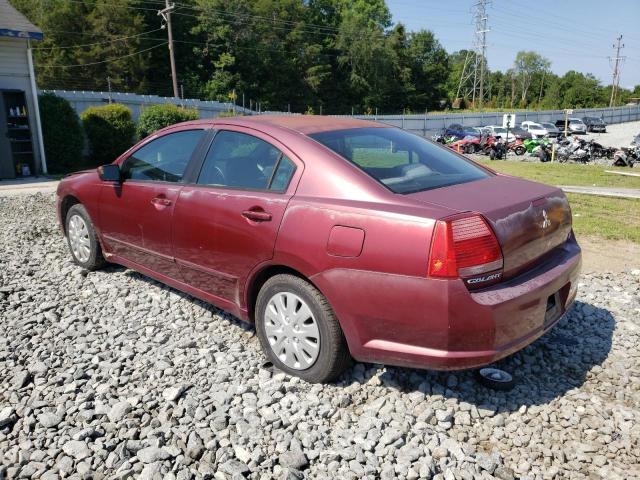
<point>616,63</point>
<point>471,83</point>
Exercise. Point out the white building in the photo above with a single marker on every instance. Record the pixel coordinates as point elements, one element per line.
<point>21,147</point>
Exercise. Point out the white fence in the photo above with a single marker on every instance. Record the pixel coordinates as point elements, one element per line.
<point>425,125</point>
<point>80,101</point>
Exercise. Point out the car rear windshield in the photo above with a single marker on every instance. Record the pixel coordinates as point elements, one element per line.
<point>403,162</point>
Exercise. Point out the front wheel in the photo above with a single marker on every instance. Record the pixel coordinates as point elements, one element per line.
<point>299,331</point>
<point>520,150</point>
<point>82,239</point>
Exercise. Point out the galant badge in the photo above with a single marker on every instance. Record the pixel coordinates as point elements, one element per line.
<point>546,222</point>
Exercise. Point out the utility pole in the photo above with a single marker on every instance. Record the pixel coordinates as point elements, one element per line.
<point>617,66</point>
<point>109,87</point>
<point>166,16</point>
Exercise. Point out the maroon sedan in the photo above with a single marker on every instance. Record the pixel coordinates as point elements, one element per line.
<point>339,238</point>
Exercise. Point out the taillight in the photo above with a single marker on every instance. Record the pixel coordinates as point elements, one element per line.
<point>462,247</point>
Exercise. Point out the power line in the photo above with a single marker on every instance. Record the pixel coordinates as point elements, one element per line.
<point>105,61</point>
<point>96,43</point>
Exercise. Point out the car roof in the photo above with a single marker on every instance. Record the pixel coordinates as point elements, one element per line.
<point>306,124</point>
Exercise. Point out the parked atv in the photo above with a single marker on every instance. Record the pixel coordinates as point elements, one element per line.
<point>467,145</point>
<point>497,149</point>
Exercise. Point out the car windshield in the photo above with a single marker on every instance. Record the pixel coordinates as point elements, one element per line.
<point>575,120</point>
<point>548,125</point>
<point>403,162</point>
<point>499,130</point>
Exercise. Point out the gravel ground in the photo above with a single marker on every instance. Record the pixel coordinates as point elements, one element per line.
<point>112,375</point>
<point>618,135</point>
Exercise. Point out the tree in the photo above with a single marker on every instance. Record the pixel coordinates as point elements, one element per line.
<point>87,42</point>
<point>526,65</point>
<point>429,69</point>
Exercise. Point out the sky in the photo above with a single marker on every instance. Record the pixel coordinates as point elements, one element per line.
<point>572,34</point>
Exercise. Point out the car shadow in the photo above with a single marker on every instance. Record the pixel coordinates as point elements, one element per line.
<point>551,366</point>
<point>201,303</point>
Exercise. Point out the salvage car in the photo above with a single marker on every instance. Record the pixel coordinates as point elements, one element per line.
<point>573,125</point>
<point>535,129</point>
<point>552,130</point>
<point>338,238</point>
<point>595,124</point>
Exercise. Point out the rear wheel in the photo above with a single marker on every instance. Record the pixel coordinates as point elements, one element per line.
<point>298,330</point>
<point>520,150</point>
<point>82,239</point>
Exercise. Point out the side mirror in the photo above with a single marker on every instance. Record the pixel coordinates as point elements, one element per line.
<point>109,173</point>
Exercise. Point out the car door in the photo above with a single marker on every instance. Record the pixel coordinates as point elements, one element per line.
<point>135,214</point>
<point>228,220</point>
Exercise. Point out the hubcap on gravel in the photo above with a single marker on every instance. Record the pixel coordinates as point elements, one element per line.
<point>496,375</point>
<point>292,331</point>
<point>79,238</point>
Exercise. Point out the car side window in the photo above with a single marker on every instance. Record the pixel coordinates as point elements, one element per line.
<point>239,160</point>
<point>164,159</point>
<point>283,175</point>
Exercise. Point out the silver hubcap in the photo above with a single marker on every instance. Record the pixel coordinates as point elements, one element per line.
<point>79,238</point>
<point>496,374</point>
<point>292,331</point>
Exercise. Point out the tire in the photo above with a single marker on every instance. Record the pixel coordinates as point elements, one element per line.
<point>86,251</point>
<point>331,357</point>
<point>519,150</point>
<point>492,155</point>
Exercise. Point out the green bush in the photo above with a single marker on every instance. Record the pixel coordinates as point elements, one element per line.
<point>109,130</point>
<point>156,117</point>
<point>62,134</point>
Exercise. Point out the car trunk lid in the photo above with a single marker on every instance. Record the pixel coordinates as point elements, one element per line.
<point>529,219</point>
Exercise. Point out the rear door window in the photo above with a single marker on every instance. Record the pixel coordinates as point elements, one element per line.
<point>239,160</point>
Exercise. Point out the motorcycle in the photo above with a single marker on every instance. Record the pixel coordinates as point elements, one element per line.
<point>626,156</point>
<point>575,150</point>
<point>517,147</point>
<point>543,151</point>
<point>531,144</point>
<point>600,151</point>
<point>443,139</point>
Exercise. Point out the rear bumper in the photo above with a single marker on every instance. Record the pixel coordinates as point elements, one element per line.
<point>439,324</point>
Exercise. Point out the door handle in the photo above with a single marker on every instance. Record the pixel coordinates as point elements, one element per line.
<point>257,215</point>
<point>163,202</point>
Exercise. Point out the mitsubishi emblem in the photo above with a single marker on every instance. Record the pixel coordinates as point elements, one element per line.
<point>546,222</point>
